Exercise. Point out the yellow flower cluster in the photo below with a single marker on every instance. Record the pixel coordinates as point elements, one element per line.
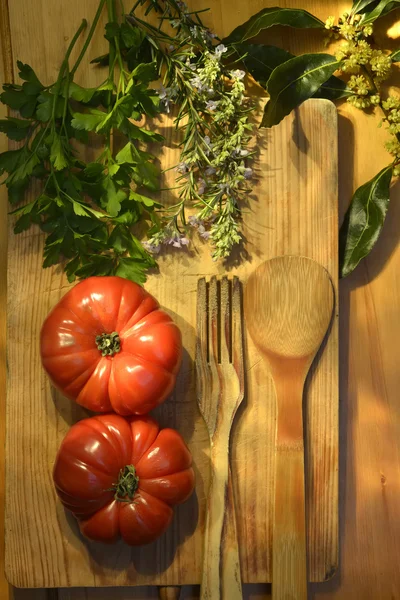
<point>359,84</point>
<point>359,101</point>
<point>354,54</point>
<point>381,64</point>
<point>392,108</point>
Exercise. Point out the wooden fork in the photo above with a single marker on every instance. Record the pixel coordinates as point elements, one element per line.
<point>220,390</point>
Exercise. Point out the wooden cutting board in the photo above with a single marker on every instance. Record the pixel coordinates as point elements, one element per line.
<point>292,210</point>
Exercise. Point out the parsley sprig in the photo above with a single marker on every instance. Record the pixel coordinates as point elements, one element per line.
<point>87,210</point>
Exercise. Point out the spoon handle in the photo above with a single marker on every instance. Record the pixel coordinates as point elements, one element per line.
<point>289,553</point>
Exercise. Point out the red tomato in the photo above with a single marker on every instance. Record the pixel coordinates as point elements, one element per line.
<point>121,476</point>
<point>108,345</point>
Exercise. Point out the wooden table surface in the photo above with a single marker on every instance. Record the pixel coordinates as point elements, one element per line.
<point>369,334</point>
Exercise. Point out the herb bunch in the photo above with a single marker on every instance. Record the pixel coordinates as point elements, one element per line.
<point>87,209</point>
<point>213,119</point>
<point>356,71</point>
<point>90,211</point>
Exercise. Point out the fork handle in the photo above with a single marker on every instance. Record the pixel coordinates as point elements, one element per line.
<point>221,566</point>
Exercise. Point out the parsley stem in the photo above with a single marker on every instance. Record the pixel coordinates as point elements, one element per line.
<point>89,38</point>
<point>64,65</point>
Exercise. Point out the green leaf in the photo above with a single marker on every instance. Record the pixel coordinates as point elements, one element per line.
<point>102,60</point>
<point>147,202</point>
<point>147,174</point>
<point>133,269</point>
<point>28,74</point>
<point>113,197</point>
<point>131,36</point>
<point>71,267</point>
<point>125,155</point>
<point>13,96</point>
<point>267,17</point>
<point>99,265</point>
<point>384,7</point>
<point>45,108</point>
<point>23,170</point>
<point>80,93</point>
<point>23,210</point>
<point>52,254</point>
<point>15,129</point>
<point>17,190</point>
<point>112,30</point>
<point>145,72</point>
<point>113,169</point>
<point>294,81</point>
<point>23,223</point>
<point>261,60</point>
<point>117,239</point>
<point>28,109</point>
<point>57,156</point>
<point>93,170</point>
<point>88,121</point>
<point>364,220</point>
<point>85,95</point>
<point>10,159</point>
<point>79,209</point>
<point>360,5</point>
<point>333,89</point>
<point>395,56</point>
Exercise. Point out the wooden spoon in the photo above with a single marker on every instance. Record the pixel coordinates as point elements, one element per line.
<point>288,305</point>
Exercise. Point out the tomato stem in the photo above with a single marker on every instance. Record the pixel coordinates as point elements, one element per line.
<point>108,343</point>
<point>127,484</point>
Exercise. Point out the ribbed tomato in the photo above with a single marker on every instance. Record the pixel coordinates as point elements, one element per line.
<point>121,476</point>
<point>108,345</point>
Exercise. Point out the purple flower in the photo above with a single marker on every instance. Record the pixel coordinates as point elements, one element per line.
<point>182,168</point>
<point>211,104</point>
<point>248,173</point>
<point>201,186</point>
<point>166,95</point>
<point>203,232</point>
<point>224,187</point>
<point>178,242</point>
<point>239,152</point>
<point>194,220</point>
<point>210,171</point>
<point>152,248</point>
<point>219,51</point>
<point>238,74</point>
<point>196,82</point>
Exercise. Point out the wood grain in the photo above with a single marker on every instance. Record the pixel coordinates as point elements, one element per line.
<point>35,34</point>
<point>301,217</point>
<point>4,589</point>
<point>288,307</point>
<point>370,329</point>
<point>220,391</point>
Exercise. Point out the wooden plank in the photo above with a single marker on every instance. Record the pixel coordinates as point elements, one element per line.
<point>300,196</point>
<point>366,571</point>
<point>4,67</point>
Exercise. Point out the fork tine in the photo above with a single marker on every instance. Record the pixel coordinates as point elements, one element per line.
<point>201,343</point>
<point>237,334</point>
<point>213,321</point>
<point>225,320</point>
